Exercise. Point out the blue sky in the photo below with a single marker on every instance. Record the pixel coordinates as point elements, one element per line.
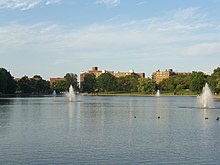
<point>53,37</point>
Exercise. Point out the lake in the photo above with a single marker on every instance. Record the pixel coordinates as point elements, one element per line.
<point>108,130</point>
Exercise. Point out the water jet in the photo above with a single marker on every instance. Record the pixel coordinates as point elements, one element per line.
<point>70,95</point>
<point>54,93</point>
<point>206,98</point>
<point>158,93</point>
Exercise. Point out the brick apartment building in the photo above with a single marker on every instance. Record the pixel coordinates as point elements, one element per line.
<point>97,73</point>
<point>54,80</point>
<point>158,76</point>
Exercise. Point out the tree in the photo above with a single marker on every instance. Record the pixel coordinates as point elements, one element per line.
<point>40,86</point>
<point>35,85</point>
<point>167,84</point>
<point>37,77</point>
<point>89,83</point>
<point>7,82</point>
<point>197,82</point>
<point>60,86</point>
<point>128,83</point>
<point>133,82</point>
<point>214,80</point>
<point>183,81</point>
<point>123,84</point>
<point>71,79</point>
<point>106,82</point>
<point>175,83</point>
<point>24,85</point>
<point>146,85</point>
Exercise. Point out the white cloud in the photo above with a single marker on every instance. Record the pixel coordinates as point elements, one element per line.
<point>20,4</point>
<point>25,4</point>
<point>187,13</point>
<point>141,41</point>
<point>48,2</point>
<point>204,49</point>
<point>142,38</point>
<point>185,20</point>
<point>27,37</point>
<point>137,36</point>
<point>141,3</point>
<point>113,3</point>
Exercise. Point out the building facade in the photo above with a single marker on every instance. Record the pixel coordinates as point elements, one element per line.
<point>54,80</point>
<point>97,73</point>
<point>94,71</point>
<point>158,76</point>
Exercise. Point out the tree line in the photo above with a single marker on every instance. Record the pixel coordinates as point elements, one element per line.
<point>35,85</point>
<point>178,84</point>
<point>63,85</point>
<point>25,85</point>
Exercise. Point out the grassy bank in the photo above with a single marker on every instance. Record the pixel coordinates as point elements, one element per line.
<point>141,94</point>
<point>122,93</point>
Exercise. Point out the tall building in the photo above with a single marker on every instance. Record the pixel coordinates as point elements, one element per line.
<point>97,73</point>
<point>158,76</point>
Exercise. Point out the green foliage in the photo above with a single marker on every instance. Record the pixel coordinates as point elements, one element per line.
<point>35,85</point>
<point>197,82</point>
<point>133,82</point>
<point>167,84</point>
<point>106,82</point>
<point>89,83</point>
<point>182,82</point>
<point>214,80</point>
<point>37,77</point>
<point>40,86</point>
<point>60,86</point>
<point>24,85</point>
<point>146,85</point>
<point>128,83</point>
<point>71,79</point>
<point>175,83</point>
<point>122,84</point>
<point>7,82</point>
<point>178,84</point>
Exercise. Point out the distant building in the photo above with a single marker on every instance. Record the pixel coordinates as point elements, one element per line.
<point>94,71</point>
<point>183,73</point>
<point>97,73</point>
<point>158,76</point>
<point>54,80</point>
<point>123,74</point>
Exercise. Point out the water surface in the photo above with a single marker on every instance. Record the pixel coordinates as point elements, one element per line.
<point>108,130</point>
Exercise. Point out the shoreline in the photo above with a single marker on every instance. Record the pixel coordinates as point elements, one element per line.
<point>146,95</point>
<point>104,94</point>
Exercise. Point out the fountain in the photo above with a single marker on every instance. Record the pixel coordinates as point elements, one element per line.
<point>158,93</point>
<point>206,98</point>
<point>71,95</point>
<point>54,93</point>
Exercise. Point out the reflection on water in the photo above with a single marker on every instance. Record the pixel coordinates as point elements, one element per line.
<point>5,113</point>
<point>108,130</point>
